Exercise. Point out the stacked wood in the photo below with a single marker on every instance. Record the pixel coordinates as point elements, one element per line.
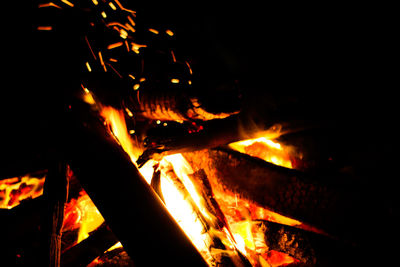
<point>213,133</point>
<point>327,201</point>
<point>130,207</point>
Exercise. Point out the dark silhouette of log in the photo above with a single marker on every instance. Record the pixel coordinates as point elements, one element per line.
<point>130,207</point>
<point>55,194</point>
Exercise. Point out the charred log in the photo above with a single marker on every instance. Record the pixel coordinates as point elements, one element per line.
<point>210,135</point>
<point>327,201</point>
<point>55,194</point>
<point>86,251</point>
<point>130,207</point>
<point>289,240</point>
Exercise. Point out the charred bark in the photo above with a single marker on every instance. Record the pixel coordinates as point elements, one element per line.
<point>156,183</point>
<point>327,201</point>
<point>130,207</point>
<point>289,240</point>
<point>56,194</point>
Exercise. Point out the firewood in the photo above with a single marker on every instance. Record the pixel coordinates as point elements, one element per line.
<point>212,134</point>
<point>156,183</point>
<point>55,194</point>
<point>327,201</point>
<point>230,259</point>
<point>129,206</point>
<point>86,251</point>
<point>289,240</point>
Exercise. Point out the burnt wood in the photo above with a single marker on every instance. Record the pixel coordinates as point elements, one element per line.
<point>289,240</point>
<point>130,207</point>
<point>156,183</point>
<point>214,133</point>
<point>56,194</point>
<point>330,202</point>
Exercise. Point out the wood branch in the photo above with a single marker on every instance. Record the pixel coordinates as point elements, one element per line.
<point>214,133</point>
<point>86,251</point>
<point>130,207</point>
<point>55,193</point>
<point>200,179</point>
<point>327,201</point>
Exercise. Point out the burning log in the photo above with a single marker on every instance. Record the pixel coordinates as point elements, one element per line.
<point>130,207</point>
<point>210,135</point>
<point>87,250</point>
<point>327,202</point>
<point>211,222</point>
<point>56,194</point>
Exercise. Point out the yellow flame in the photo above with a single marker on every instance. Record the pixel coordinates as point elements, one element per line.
<point>117,245</point>
<point>116,120</point>
<point>243,235</point>
<point>265,149</point>
<point>182,169</point>
<point>91,217</point>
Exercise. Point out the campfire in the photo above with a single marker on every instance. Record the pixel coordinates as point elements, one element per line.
<point>153,170</point>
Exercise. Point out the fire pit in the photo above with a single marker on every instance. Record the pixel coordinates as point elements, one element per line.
<point>138,147</point>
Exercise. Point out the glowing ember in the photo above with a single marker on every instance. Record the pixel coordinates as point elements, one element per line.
<point>14,190</point>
